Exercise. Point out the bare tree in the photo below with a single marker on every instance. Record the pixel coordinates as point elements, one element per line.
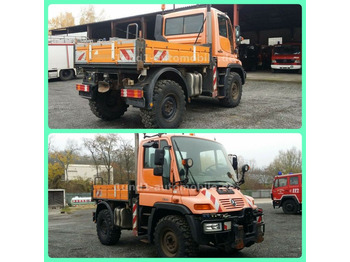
<point>92,146</point>
<point>106,146</point>
<point>289,161</point>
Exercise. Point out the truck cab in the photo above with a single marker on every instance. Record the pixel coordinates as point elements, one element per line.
<point>286,57</point>
<point>186,194</point>
<point>286,193</point>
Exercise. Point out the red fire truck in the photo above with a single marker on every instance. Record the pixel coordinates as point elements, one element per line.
<point>286,193</point>
<point>286,57</point>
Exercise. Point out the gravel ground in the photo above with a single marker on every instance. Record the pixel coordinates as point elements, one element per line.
<point>266,104</point>
<point>74,235</point>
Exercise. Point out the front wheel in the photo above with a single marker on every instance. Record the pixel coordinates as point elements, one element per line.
<point>168,106</point>
<point>290,207</point>
<point>233,91</point>
<point>172,237</point>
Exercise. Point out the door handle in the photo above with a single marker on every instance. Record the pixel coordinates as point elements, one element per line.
<point>220,51</point>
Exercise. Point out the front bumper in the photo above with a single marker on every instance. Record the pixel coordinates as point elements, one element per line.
<point>246,229</point>
<point>286,67</point>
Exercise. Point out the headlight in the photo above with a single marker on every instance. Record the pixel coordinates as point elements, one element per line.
<point>212,227</point>
<point>297,61</point>
<point>273,61</point>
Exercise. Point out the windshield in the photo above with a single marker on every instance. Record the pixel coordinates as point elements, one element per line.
<point>210,161</point>
<point>287,50</point>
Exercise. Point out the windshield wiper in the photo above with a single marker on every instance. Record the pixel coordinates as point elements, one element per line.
<point>218,181</point>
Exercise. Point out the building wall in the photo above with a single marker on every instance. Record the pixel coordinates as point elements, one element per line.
<point>86,171</point>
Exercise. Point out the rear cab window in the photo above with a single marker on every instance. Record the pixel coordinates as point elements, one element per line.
<point>190,24</point>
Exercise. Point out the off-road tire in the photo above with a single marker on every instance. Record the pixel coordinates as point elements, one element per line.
<point>233,91</point>
<point>67,74</point>
<point>172,237</point>
<point>169,106</point>
<point>107,233</point>
<point>290,207</point>
<point>108,106</point>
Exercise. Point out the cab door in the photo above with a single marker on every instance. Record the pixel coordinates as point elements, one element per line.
<point>154,188</point>
<point>280,187</point>
<point>224,43</point>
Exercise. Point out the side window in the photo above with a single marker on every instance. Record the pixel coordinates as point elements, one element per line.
<point>294,180</point>
<point>148,160</point>
<point>184,25</point>
<point>222,26</point>
<point>281,182</point>
<point>166,165</point>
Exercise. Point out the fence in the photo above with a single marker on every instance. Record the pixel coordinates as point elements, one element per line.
<point>262,193</point>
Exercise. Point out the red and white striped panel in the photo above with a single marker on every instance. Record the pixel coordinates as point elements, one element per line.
<point>161,55</point>
<point>80,56</point>
<point>126,55</point>
<point>134,219</point>
<point>215,85</point>
<point>215,202</point>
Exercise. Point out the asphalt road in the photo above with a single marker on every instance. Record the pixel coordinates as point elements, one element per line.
<point>74,235</point>
<point>264,105</point>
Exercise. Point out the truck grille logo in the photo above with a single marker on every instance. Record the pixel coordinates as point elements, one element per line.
<point>233,202</point>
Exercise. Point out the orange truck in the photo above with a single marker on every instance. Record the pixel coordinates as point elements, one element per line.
<point>186,194</point>
<point>193,53</point>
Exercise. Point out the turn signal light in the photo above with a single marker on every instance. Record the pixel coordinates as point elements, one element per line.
<point>202,206</point>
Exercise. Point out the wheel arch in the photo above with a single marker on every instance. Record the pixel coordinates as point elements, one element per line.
<point>101,206</point>
<point>237,68</point>
<point>161,210</point>
<point>166,73</point>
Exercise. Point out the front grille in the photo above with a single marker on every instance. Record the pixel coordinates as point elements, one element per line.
<point>284,61</point>
<point>226,203</point>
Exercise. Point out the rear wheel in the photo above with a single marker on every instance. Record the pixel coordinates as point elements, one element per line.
<point>168,106</point>
<point>66,74</point>
<point>107,233</point>
<point>109,105</point>
<point>173,238</point>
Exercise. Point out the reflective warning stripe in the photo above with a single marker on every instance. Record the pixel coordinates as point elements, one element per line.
<point>215,90</point>
<point>127,55</point>
<point>134,219</point>
<point>215,202</point>
<point>161,55</point>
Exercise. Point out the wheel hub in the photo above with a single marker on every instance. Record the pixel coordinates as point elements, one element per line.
<point>169,107</point>
<point>169,243</point>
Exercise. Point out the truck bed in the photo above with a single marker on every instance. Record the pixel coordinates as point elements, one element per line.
<point>140,51</point>
<point>111,192</point>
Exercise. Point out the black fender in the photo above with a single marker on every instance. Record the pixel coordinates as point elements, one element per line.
<point>169,73</point>
<point>238,69</point>
<point>101,206</point>
<point>163,209</point>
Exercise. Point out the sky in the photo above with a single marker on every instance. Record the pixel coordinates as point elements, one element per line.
<point>262,148</point>
<point>110,11</point>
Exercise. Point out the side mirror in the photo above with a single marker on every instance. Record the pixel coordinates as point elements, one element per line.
<point>158,171</point>
<point>159,157</point>
<point>238,34</point>
<point>234,162</point>
<point>245,168</point>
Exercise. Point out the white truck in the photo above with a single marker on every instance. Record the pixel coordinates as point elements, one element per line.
<point>61,54</point>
